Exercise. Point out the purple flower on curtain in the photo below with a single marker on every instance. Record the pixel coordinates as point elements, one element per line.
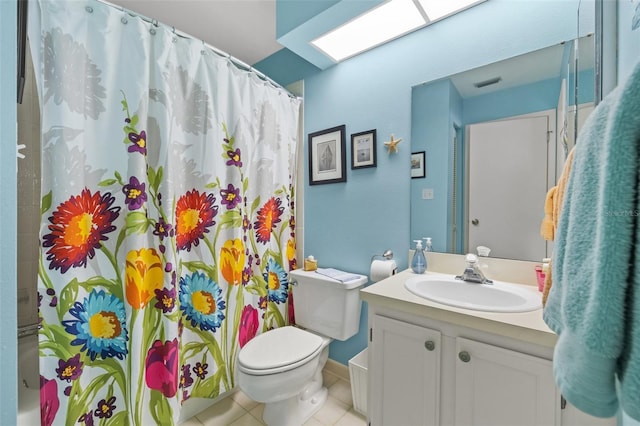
<point>105,408</point>
<point>277,282</point>
<point>246,223</point>
<point>200,370</point>
<point>185,378</point>
<point>161,364</point>
<point>268,216</point>
<point>234,158</point>
<point>70,369</point>
<point>201,301</point>
<point>246,275</point>
<point>99,325</point>
<point>230,196</point>
<point>78,227</point>
<point>138,142</point>
<point>248,325</point>
<point>194,216</point>
<point>166,299</point>
<point>87,418</point>
<point>135,193</point>
<point>162,229</point>
<point>49,402</point>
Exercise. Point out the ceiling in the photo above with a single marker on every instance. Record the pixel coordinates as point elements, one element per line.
<point>245,29</point>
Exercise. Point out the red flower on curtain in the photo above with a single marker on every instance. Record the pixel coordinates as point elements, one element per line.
<point>161,371</point>
<point>194,215</point>
<point>49,402</point>
<point>77,228</point>
<point>248,325</point>
<point>268,216</point>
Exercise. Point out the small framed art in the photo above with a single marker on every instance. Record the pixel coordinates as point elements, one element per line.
<point>417,165</point>
<point>363,149</point>
<point>327,154</point>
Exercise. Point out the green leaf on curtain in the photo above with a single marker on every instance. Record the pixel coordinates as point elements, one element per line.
<point>255,204</point>
<point>211,185</point>
<point>159,407</point>
<point>58,347</point>
<point>258,289</point>
<point>245,185</point>
<point>118,419</point>
<point>46,202</point>
<point>199,266</point>
<point>155,177</point>
<point>191,349</point>
<point>137,222</point>
<point>231,219</point>
<point>107,182</point>
<point>210,387</point>
<point>79,403</point>
<point>68,296</point>
<point>274,312</point>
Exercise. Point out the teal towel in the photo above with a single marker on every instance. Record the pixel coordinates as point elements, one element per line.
<point>594,303</point>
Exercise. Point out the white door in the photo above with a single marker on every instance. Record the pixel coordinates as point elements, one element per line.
<point>507,186</point>
<point>500,387</point>
<point>404,374</point>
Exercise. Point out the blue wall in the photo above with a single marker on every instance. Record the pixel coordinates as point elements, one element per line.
<point>346,223</point>
<point>8,185</point>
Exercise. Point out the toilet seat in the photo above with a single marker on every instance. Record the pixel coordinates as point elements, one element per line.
<point>279,350</point>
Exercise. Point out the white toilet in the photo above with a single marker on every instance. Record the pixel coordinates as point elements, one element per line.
<point>283,367</point>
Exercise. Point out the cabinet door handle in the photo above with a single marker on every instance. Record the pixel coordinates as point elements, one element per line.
<point>464,356</point>
<point>430,345</point>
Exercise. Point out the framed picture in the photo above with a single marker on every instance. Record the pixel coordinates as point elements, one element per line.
<point>363,149</point>
<point>327,154</point>
<point>417,165</point>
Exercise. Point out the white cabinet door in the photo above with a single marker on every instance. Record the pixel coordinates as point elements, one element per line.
<point>404,374</point>
<point>496,386</point>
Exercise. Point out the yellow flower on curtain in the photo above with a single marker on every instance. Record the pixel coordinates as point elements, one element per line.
<point>291,253</point>
<point>143,275</point>
<point>232,261</point>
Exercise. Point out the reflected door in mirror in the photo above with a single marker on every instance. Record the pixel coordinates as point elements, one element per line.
<point>507,186</point>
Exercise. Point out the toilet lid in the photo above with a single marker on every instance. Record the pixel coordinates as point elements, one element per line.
<point>279,347</point>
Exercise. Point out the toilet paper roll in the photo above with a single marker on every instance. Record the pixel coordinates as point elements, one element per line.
<point>381,269</point>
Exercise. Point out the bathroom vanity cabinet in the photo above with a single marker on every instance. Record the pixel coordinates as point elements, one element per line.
<point>431,365</point>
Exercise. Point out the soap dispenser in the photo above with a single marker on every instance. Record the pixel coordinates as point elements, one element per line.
<point>419,262</point>
<point>427,246</point>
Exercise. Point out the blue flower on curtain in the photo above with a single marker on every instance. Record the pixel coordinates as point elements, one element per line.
<point>201,301</point>
<point>100,325</point>
<point>277,282</point>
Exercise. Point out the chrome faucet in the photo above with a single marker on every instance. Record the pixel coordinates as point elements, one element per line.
<point>472,272</point>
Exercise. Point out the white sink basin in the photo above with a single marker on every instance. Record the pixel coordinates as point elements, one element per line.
<point>497,297</point>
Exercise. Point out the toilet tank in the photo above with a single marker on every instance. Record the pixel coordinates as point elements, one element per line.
<point>325,305</point>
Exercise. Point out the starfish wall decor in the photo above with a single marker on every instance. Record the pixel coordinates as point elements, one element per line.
<point>392,145</point>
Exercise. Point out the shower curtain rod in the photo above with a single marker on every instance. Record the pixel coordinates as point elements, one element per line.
<point>235,61</point>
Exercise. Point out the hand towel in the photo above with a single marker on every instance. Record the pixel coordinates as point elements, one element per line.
<point>557,197</point>
<point>594,303</point>
<point>547,228</point>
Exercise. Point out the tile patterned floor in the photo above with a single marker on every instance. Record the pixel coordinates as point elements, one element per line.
<point>239,410</point>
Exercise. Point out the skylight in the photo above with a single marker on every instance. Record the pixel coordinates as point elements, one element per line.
<point>384,23</point>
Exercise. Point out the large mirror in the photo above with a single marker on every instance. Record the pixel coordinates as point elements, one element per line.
<point>495,139</point>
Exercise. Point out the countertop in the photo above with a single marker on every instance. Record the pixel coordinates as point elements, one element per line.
<point>390,293</point>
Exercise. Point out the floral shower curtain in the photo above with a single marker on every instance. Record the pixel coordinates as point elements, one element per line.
<point>167,225</point>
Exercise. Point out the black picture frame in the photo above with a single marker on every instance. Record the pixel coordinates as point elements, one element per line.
<point>418,168</point>
<point>327,156</point>
<point>363,149</point>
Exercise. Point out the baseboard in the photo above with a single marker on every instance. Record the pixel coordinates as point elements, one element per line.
<point>337,369</point>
